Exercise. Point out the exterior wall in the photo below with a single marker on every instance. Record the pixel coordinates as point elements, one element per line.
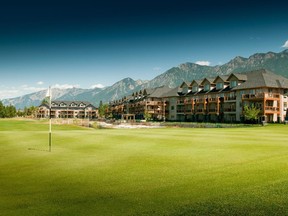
<point>217,105</point>
<point>172,109</point>
<point>67,112</point>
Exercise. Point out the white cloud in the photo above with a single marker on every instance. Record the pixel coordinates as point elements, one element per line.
<point>40,83</point>
<point>12,91</point>
<point>203,63</point>
<point>157,68</point>
<point>9,93</point>
<point>27,88</point>
<point>97,86</point>
<point>285,44</point>
<point>65,86</point>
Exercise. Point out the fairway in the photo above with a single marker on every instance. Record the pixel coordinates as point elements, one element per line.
<point>164,171</point>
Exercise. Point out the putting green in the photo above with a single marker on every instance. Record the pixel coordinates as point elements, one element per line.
<point>167,171</point>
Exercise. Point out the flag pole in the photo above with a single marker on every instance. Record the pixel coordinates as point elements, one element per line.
<point>50,121</point>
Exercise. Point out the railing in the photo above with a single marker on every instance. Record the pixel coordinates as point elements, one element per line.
<point>188,101</point>
<point>200,100</point>
<point>180,101</point>
<point>230,110</point>
<point>180,110</point>
<point>272,109</point>
<point>200,110</point>
<point>261,96</point>
<point>211,100</point>
<point>213,110</point>
<point>154,103</point>
<point>230,98</point>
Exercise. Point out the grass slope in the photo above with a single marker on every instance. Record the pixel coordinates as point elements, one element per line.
<point>236,171</point>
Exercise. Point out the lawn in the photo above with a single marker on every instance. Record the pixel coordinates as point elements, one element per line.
<point>166,171</point>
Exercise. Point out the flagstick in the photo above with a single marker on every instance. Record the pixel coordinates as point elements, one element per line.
<point>50,121</point>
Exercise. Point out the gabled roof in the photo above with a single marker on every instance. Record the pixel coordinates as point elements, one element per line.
<point>69,103</point>
<point>222,77</point>
<point>198,82</point>
<point>210,80</point>
<point>185,83</point>
<point>263,78</point>
<point>241,77</point>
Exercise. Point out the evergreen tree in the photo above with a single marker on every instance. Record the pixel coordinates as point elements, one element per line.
<point>2,110</point>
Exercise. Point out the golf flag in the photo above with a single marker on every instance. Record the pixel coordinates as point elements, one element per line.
<point>49,97</point>
<point>48,93</point>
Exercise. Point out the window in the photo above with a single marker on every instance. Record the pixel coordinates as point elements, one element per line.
<point>195,89</point>
<point>207,87</point>
<point>172,107</point>
<point>233,83</point>
<point>219,85</point>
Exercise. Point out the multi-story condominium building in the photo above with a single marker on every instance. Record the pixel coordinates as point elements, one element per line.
<point>68,109</point>
<point>218,99</point>
<point>148,101</point>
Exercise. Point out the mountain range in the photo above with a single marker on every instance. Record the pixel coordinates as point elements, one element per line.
<point>274,62</point>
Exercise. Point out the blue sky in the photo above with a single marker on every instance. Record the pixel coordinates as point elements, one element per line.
<point>87,44</point>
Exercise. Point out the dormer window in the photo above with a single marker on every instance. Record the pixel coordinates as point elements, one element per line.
<point>82,105</point>
<point>73,105</point>
<point>233,83</point>
<point>62,105</point>
<point>207,87</point>
<point>195,89</point>
<point>219,85</point>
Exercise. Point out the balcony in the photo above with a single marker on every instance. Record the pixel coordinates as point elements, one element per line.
<point>213,110</point>
<point>229,110</point>
<point>180,101</point>
<point>200,100</point>
<point>200,111</point>
<point>154,103</point>
<point>188,101</point>
<point>180,110</point>
<point>261,96</point>
<point>213,100</point>
<point>271,109</point>
<point>230,98</point>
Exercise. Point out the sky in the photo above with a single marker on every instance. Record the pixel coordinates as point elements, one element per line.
<point>89,44</point>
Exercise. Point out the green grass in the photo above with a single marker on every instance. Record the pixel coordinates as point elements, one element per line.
<point>170,171</point>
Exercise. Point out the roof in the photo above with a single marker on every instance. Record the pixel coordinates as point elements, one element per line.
<point>70,102</point>
<point>159,92</point>
<point>263,78</point>
<point>222,77</point>
<point>198,82</point>
<point>242,77</point>
<point>210,80</point>
<point>172,93</point>
<point>185,83</point>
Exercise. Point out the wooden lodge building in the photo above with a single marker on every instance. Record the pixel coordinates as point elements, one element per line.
<point>218,99</point>
<point>68,109</point>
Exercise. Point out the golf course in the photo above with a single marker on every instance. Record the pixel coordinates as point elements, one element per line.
<point>159,171</point>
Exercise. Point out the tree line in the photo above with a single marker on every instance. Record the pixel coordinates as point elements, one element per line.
<point>10,111</point>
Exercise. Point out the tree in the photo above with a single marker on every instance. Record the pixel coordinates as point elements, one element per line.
<point>102,109</point>
<point>2,110</point>
<point>10,111</point>
<point>147,116</point>
<point>251,113</point>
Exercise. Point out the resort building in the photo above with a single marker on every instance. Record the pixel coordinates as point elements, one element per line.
<point>68,109</point>
<point>147,101</point>
<point>218,99</point>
